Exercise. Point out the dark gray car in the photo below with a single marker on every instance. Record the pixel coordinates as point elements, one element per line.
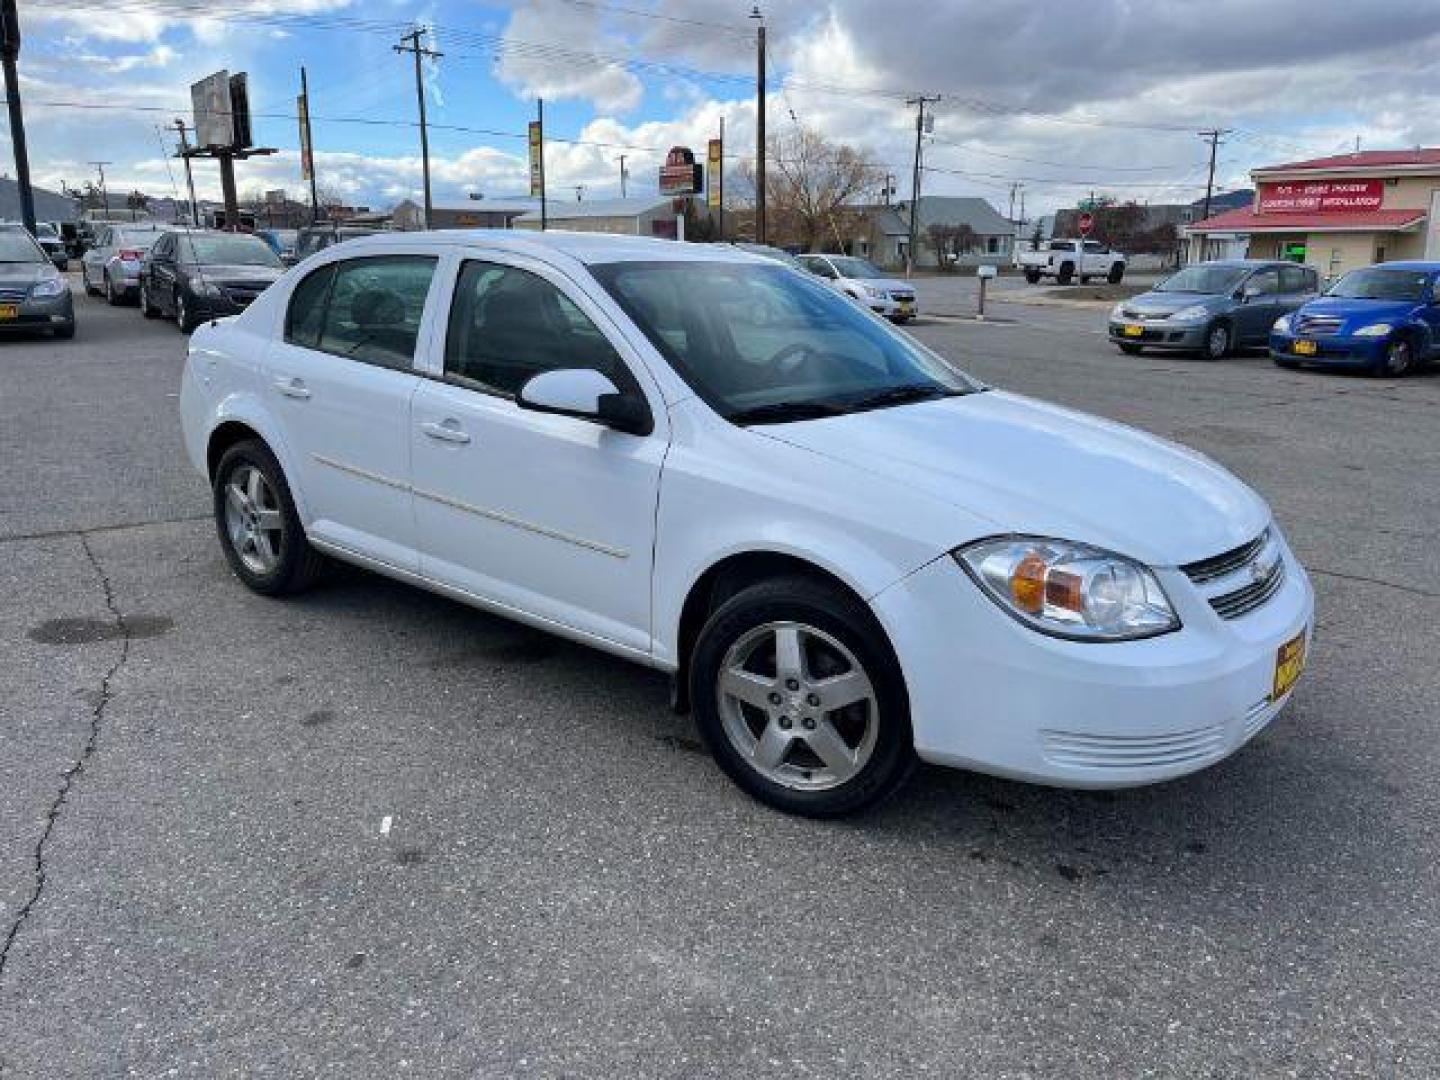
<point>1213,308</point>
<point>33,294</point>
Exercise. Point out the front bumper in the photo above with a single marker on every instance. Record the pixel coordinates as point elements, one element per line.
<point>892,307</point>
<point>1331,350</point>
<point>47,313</point>
<point>992,695</point>
<point>1160,335</point>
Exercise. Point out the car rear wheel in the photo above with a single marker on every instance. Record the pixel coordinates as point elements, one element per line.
<point>90,290</point>
<point>111,296</point>
<point>149,310</point>
<point>183,318</point>
<point>1116,274</point>
<point>1032,276</point>
<point>1217,342</point>
<point>799,697</point>
<point>259,528</point>
<point>1397,359</point>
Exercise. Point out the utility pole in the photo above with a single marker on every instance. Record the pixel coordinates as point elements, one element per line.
<point>307,147</point>
<point>411,43</point>
<point>760,230</point>
<point>104,195</point>
<point>1212,136</point>
<point>623,176</point>
<point>538,148</point>
<point>579,192</point>
<point>9,54</point>
<point>920,103</point>
<point>189,175</point>
<point>720,179</point>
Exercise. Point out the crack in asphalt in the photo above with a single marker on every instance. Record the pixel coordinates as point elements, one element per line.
<point>47,534</point>
<point>1361,579</point>
<point>87,751</point>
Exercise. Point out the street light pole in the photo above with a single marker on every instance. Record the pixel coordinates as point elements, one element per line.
<point>189,175</point>
<point>920,102</point>
<point>9,54</point>
<point>760,224</point>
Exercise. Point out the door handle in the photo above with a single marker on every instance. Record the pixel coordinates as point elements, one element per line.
<point>446,431</point>
<point>292,387</point>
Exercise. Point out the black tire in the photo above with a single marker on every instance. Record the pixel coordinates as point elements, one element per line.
<point>299,565</point>
<point>90,290</point>
<point>1066,274</point>
<point>1116,274</point>
<point>66,331</point>
<point>827,609</point>
<point>1032,276</point>
<point>1397,360</point>
<point>1285,362</point>
<point>1218,341</point>
<point>1129,348</point>
<point>146,308</point>
<point>183,316</point>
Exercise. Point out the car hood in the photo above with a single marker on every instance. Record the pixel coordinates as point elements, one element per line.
<point>23,275</point>
<point>888,284</point>
<point>1034,468</point>
<point>1362,311</point>
<point>1167,303</point>
<point>266,274</point>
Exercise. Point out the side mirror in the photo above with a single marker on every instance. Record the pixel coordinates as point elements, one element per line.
<point>586,394</point>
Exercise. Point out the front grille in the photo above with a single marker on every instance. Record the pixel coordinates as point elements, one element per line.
<point>1319,325</point>
<point>1247,598</point>
<point>1217,566</point>
<point>903,296</point>
<point>1132,751</point>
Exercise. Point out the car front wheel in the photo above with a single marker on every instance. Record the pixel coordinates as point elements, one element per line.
<point>149,310</point>
<point>184,318</point>
<point>1397,359</point>
<point>799,697</point>
<point>259,528</point>
<point>1217,342</point>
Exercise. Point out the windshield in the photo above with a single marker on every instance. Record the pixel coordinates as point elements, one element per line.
<point>46,230</point>
<point>17,247</point>
<point>229,250</point>
<point>1373,283</point>
<point>854,268</point>
<point>135,240</point>
<point>762,344</point>
<point>1204,279</point>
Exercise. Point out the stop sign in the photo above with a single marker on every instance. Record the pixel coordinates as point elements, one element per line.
<point>1087,222</point>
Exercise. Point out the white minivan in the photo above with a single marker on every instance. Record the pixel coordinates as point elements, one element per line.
<point>847,553</point>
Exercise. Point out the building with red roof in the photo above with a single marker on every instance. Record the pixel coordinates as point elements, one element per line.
<point>1335,213</point>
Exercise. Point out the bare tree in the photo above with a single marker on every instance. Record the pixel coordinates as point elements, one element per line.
<point>810,183</point>
<point>950,241</point>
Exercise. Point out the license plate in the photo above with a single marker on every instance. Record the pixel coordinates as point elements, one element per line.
<point>1132,330</point>
<point>907,307</point>
<point>1306,348</point>
<point>1289,663</point>
<point>9,311</point>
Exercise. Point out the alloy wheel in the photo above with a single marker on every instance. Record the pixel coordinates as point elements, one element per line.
<point>1398,357</point>
<point>1217,342</point>
<point>253,519</point>
<point>798,706</point>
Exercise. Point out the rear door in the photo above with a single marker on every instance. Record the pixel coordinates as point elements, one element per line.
<point>92,263</point>
<point>1256,313</point>
<point>341,379</point>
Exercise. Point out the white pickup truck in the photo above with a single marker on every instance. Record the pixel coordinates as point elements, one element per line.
<point>1065,260</point>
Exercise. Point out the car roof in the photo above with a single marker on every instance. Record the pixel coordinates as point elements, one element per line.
<point>1409,264</point>
<point>1246,263</point>
<point>589,248</point>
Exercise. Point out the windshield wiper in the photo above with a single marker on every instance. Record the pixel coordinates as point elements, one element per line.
<point>900,395</point>
<point>779,412</point>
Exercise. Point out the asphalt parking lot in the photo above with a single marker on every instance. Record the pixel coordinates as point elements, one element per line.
<point>373,833</point>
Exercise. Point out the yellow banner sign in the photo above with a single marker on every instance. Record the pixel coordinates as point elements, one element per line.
<point>537,160</point>
<point>714,181</point>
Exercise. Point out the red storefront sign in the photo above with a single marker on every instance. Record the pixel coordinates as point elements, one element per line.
<point>1331,196</point>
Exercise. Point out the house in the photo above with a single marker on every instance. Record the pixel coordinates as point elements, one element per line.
<point>966,229</point>
<point>1336,213</point>
<point>475,212</point>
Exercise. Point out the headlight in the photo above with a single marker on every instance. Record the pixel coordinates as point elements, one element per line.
<point>1117,313</point>
<point>205,288</point>
<point>1069,590</point>
<point>55,286</point>
<point>874,294</point>
<point>1282,325</point>
<point>1379,329</point>
<point>1191,314</point>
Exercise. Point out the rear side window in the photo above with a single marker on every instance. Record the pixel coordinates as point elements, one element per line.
<point>364,309</point>
<point>306,315</point>
<point>1062,245</point>
<point>509,325</point>
<point>1295,279</point>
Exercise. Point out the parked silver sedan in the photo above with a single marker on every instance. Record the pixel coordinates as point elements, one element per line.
<point>112,266</point>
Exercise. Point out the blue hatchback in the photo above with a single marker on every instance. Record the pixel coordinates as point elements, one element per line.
<point>1384,319</point>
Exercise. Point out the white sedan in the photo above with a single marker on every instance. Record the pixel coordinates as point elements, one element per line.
<point>847,554</point>
<point>864,281</point>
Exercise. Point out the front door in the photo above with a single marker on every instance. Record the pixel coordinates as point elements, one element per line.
<point>1261,307</point>
<point>341,379</point>
<point>548,515</point>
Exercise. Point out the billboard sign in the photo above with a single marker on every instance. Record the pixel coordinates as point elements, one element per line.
<point>240,111</point>
<point>537,159</point>
<point>680,176</point>
<point>1321,196</point>
<point>213,114</point>
<point>714,163</point>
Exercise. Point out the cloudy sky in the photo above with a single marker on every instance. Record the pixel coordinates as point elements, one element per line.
<point>1063,97</point>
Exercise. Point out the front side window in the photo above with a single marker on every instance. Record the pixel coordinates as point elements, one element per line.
<point>509,325</point>
<point>1295,279</point>
<point>849,267</point>
<point>374,307</point>
<point>762,345</point>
